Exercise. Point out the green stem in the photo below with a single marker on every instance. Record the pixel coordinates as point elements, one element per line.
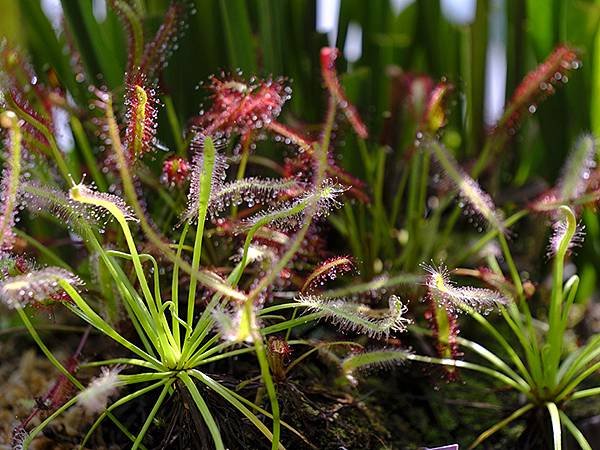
<point>205,183</point>
<point>99,323</point>
<point>265,372</point>
<point>555,334</point>
<point>88,155</point>
<point>204,411</point>
<point>151,415</point>
<point>169,352</point>
<point>175,286</point>
<point>118,403</point>
<point>487,433</point>
<point>56,153</point>
<point>208,279</point>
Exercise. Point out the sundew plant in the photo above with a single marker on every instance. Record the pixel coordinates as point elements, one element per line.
<point>203,316</point>
<point>224,228</point>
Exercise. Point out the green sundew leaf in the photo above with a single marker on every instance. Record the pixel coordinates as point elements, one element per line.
<point>357,317</point>
<point>200,189</point>
<point>204,411</point>
<point>500,425</point>
<point>575,432</point>
<point>238,33</point>
<point>592,392</point>
<point>444,328</point>
<point>556,427</point>
<point>471,193</point>
<point>228,396</point>
<point>121,401</point>
<point>577,169</point>
<point>377,358</point>
<point>46,200</point>
<point>140,437</point>
<point>588,283</point>
<point>251,190</point>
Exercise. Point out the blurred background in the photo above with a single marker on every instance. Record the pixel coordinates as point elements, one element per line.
<point>483,47</point>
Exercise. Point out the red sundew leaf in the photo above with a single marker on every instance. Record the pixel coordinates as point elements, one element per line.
<point>537,85</point>
<point>19,102</point>
<point>497,281</point>
<point>175,171</point>
<point>408,94</point>
<point>559,232</point>
<point>547,201</point>
<point>415,92</point>
<point>456,299</point>
<point>19,77</point>
<point>422,100</point>
<point>239,107</point>
<point>35,287</point>
<point>133,29</point>
<point>328,270</point>
<point>444,325</point>
<point>578,182</point>
<point>329,74</point>
<point>162,45</point>
<point>435,117</point>
<point>292,136</point>
<point>60,391</point>
<point>11,177</point>
<point>56,396</point>
<point>356,186</point>
<point>301,168</point>
<point>576,172</point>
<point>26,95</point>
<point>141,118</point>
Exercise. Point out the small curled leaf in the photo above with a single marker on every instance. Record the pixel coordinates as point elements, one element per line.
<point>567,233</point>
